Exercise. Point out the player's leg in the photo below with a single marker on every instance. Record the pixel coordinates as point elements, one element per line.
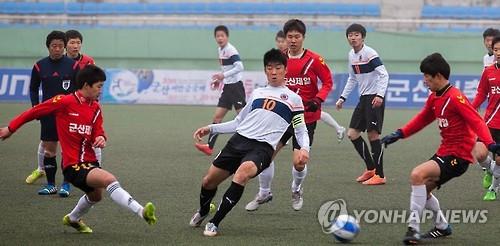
<point>491,194</point>
<point>329,120</point>
<point>50,166</point>
<point>375,119</point>
<point>84,204</point>
<point>299,170</point>
<point>481,154</point>
<point>40,170</point>
<point>441,226</point>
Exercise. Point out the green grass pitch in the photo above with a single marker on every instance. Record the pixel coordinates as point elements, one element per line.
<point>150,150</point>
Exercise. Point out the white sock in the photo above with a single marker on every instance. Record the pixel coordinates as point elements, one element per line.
<point>486,163</point>
<point>439,220</point>
<point>41,155</point>
<point>298,178</point>
<point>495,169</point>
<point>265,180</point>
<point>98,155</point>
<point>123,198</point>
<point>494,184</point>
<point>417,204</point>
<point>81,208</point>
<point>329,120</point>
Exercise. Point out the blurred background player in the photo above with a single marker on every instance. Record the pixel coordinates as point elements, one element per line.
<point>55,74</point>
<point>304,69</point>
<point>488,88</point>
<point>368,72</point>
<point>280,40</point>
<point>78,133</point>
<point>258,128</point>
<point>233,92</point>
<point>488,35</point>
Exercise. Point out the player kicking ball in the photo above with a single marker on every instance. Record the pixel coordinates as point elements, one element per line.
<point>79,128</point>
<point>459,124</point>
<point>259,127</point>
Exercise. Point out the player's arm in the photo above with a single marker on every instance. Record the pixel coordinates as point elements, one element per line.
<point>237,66</point>
<point>482,91</point>
<point>98,134</point>
<point>421,120</point>
<point>472,118</point>
<point>382,80</point>
<point>325,75</point>
<point>35,85</point>
<point>350,84</point>
<point>301,134</point>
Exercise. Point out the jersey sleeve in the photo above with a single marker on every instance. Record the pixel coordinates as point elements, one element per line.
<point>234,59</point>
<point>97,128</point>
<point>382,80</point>
<point>324,74</point>
<point>48,107</point>
<point>35,85</point>
<point>472,118</point>
<point>421,120</point>
<point>299,125</point>
<point>482,91</point>
<point>230,126</point>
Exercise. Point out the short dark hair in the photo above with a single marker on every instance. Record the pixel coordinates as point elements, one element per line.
<point>54,35</point>
<point>495,40</point>
<point>356,28</point>
<point>221,28</point>
<point>72,34</point>
<point>434,64</point>
<point>90,75</point>
<point>275,56</point>
<point>294,25</point>
<point>280,34</point>
<point>490,32</point>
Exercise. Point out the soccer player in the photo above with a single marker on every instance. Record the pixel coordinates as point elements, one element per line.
<point>259,127</point>
<point>489,87</point>
<point>368,72</point>
<point>56,75</point>
<point>280,40</point>
<point>488,35</point>
<point>233,92</point>
<point>304,69</point>
<point>459,123</point>
<point>79,127</point>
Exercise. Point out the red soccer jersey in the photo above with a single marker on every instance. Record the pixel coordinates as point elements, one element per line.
<point>78,121</point>
<point>302,78</point>
<point>85,60</point>
<point>489,86</point>
<point>457,120</point>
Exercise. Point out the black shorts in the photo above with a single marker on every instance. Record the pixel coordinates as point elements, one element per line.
<point>495,133</point>
<point>450,167</point>
<point>48,131</point>
<point>77,175</point>
<point>290,132</point>
<point>232,95</point>
<point>240,149</point>
<point>367,118</point>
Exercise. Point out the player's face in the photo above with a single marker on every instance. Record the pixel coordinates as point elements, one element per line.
<point>355,40</point>
<point>275,73</point>
<point>94,91</point>
<point>433,83</point>
<point>281,43</point>
<point>496,51</point>
<point>221,38</point>
<point>294,41</point>
<point>487,43</point>
<point>73,47</point>
<point>56,49</point>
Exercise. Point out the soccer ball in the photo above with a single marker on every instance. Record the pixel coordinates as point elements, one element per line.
<point>345,228</point>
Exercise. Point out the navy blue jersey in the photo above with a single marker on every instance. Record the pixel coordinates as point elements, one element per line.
<point>55,76</point>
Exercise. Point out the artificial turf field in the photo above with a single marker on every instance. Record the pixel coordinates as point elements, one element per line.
<point>150,150</point>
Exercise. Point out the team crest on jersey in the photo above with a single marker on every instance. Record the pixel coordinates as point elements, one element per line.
<point>461,98</point>
<point>284,96</point>
<point>66,83</point>
<point>57,98</point>
<point>360,58</point>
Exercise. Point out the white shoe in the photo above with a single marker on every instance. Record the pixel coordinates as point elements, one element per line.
<point>258,200</point>
<point>210,230</point>
<point>297,200</point>
<point>197,219</point>
<point>340,134</point>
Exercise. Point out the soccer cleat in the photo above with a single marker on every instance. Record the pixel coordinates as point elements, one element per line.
<point>204,148</point>
<point>367,174</point>
<point>210,230</point>
<point>412,237</point>
<point>197,219</point>
<point>375,180</point>
<point>79,225</point>
<point>258,200</point>
<point>149,213</point>
<point>297,200</point>
<point>64,190</point>
<point>34,176</point>
<point>487,179</point>
<point>437,233</point>
<point>340,134</point>
<point>490,196</point>
<point>48,189</point>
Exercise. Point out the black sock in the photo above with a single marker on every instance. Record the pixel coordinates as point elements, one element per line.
<point>50,165</point>
<point>378,157</point>
<point>229,200</point>
<point>362,148</point>
<point>206,197</point>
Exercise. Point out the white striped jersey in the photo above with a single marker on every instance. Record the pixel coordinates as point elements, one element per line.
<point>231,64</point>
<point>367,71</point>
<point>488,60</point>
<point>267,116</point>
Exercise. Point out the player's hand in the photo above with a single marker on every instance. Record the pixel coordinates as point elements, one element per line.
<point>301,156</point>
<point>218,77</point>
<point>200,133</point>
<point>5,133</point>
<point>494,148</point>
<point>99,142</point>
<point>215,84</point>
<point>339,103</point>
<point>393,137</point>
<point>377,102</point>
<point>313,105</point>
